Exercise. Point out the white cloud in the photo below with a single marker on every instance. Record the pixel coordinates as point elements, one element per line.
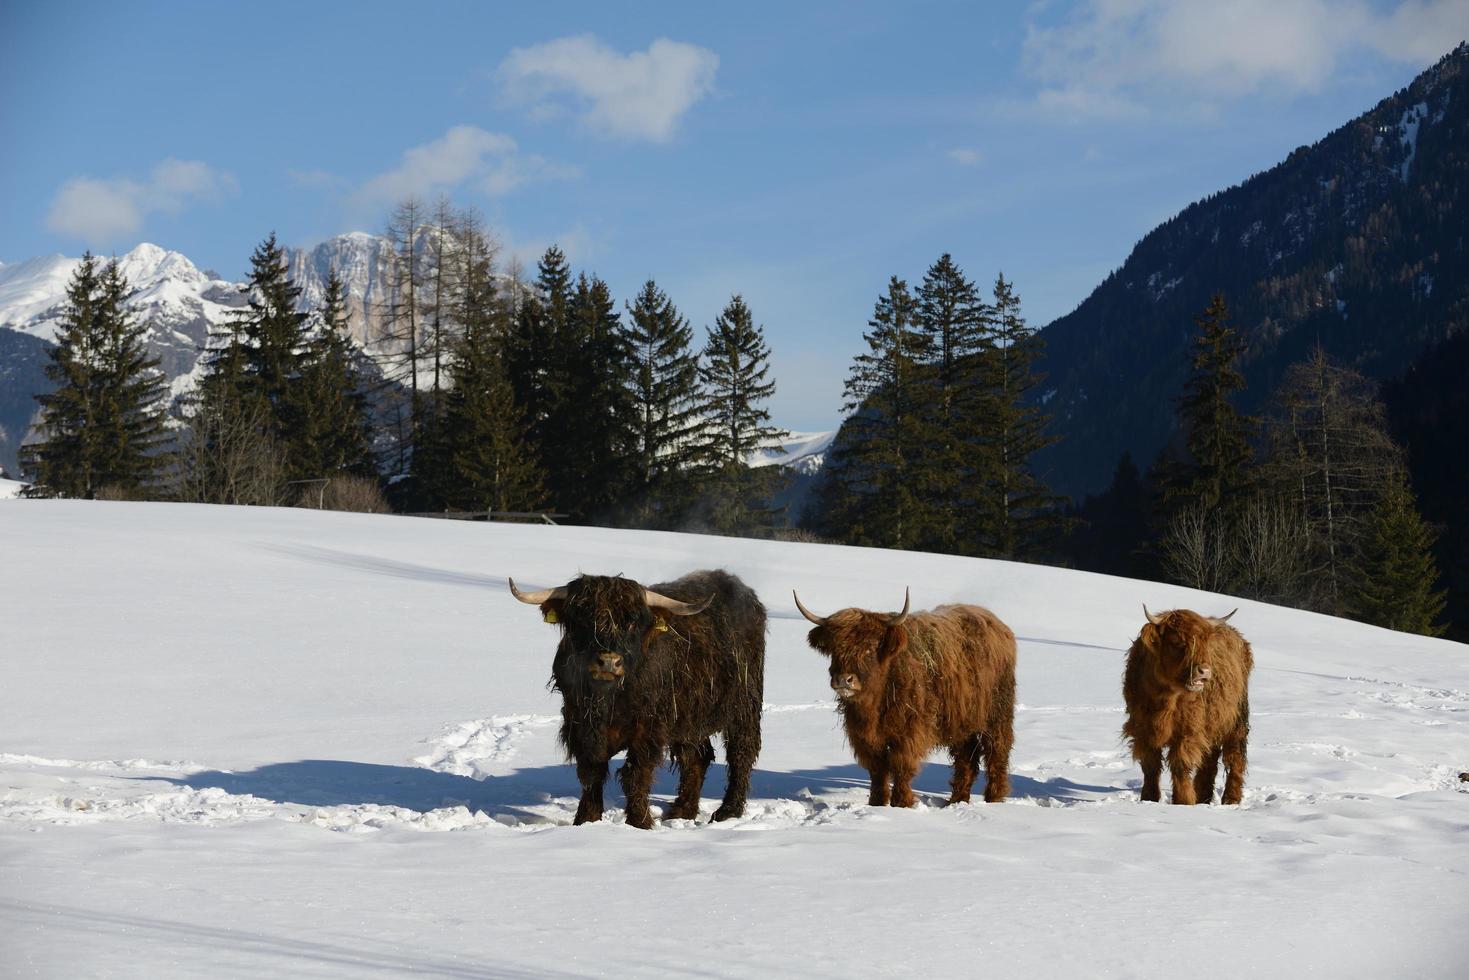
<point>107,211</point>
<point>641,95</point>
<point>965,156</point>
<point>1110,59</point>
<point>464,156</point>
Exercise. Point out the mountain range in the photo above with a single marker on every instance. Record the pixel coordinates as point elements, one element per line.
<point>178,304</point>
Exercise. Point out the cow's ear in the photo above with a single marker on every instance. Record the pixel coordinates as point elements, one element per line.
<point>657,629</point>
<point>894,642</point>
<point>551,610</point>
<point>1149,637</point>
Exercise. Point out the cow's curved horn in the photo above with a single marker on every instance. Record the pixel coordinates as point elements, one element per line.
<point>898,619</point>
<point>818,620</point>
<point>536,598</point>
<point>1155,620</point>
<point>656,601</point>
<point>1221,620</point>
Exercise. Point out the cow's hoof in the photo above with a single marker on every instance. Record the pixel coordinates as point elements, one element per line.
<point>642,821</point>
<point>727,812</point>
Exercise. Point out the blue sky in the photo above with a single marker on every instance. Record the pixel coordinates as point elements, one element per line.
<point>797,153</point>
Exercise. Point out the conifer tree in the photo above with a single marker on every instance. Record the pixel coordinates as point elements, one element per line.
<point>1017,516</point>
<point>953,462</point>
<point>1391,582</point>
<point>882,500</point>
<point>732,371</point>
<point>272,350</point>
<point>335,432</point>
<point>535,354</point>
<point>103,424</point>
<point>665,403</point>
<point>491,467</point>
<point>590,463</point>
<point>1216,434</point>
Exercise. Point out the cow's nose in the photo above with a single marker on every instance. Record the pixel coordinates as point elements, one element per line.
<point>844,680</point>
<point>1205,673</point>
<point>611,661</point>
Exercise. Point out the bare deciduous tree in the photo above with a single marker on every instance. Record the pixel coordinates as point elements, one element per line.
<point>1270,550</point>
<point>227,456</point>
<point>1330,450</point>
<point>1196,549</point>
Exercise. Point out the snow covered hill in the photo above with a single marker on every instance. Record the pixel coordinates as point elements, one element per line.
<point>256,742</point>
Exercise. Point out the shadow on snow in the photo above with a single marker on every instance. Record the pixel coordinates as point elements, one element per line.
<point>332,782</point>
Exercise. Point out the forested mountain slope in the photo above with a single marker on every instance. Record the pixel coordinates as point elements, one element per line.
<point>1356,242</point>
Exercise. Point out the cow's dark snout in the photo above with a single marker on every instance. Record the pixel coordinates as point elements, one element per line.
<point>608,666</point>
<point>845,684</point>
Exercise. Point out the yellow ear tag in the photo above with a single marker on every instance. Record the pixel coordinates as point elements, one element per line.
<point>550,616</point>
<point>661,625</point>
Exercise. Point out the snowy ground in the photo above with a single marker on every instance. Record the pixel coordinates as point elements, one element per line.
<point>245,742</point>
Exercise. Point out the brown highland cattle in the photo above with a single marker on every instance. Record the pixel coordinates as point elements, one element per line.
<point>908,684</point>
<point>1187,690</point>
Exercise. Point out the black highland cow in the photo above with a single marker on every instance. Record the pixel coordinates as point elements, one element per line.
<point>657,669</point>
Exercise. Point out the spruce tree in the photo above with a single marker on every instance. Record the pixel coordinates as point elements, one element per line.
<point>273,352</point>
<point>535,352</point>
<point>1216,434</point>
<point>65,461</point>
<point>491,468</point>
<point>103,424</point>
<point>665,403</point>
<point>953,462</point>
<point>590,463</point>
<point>335,432</point>
<point>882,500</point>
<point>1391,581</point>
<point>1017,517</point>
<point>732,371</point>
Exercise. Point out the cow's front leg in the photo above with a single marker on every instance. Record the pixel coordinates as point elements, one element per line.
<point>879,775</point>
<point>1152,762</point>
<point>592,775</point>
<point>1181,768</point>
<point>636,776</point>
<point>905,765</point>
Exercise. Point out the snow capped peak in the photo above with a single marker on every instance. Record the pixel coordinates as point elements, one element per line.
<point>802,451</point>
<point>30,288</point>
<point>148,263</point>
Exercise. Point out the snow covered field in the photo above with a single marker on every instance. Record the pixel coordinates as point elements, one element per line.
<point>245,742</point>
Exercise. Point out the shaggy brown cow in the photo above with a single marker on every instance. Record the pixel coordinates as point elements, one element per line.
<point>655,669</point>
<point>910,683</point>
<point>1187,690</point>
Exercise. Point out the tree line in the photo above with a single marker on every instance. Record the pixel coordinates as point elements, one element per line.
<point>483,391</point>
